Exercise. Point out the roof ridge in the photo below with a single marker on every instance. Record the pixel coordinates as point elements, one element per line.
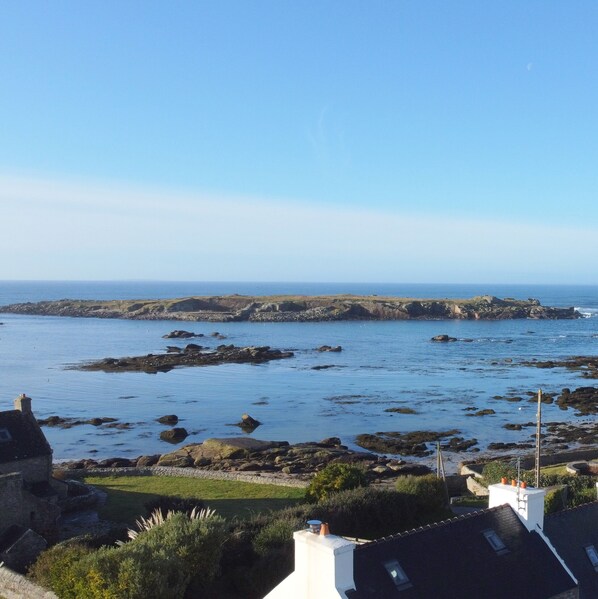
<point>568,510</point>
<point>434,525</point>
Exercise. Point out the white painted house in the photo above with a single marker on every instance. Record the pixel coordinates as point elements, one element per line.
<point>494,553</point>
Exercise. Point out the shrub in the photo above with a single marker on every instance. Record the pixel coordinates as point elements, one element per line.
<point>158,563</point>
<point>334,478</point>
<point>275,535</point>
<point>494,471</point>
<point>555,501</point>
<point>173,504</point>
<point>53,568</point>
<point>428,491</point>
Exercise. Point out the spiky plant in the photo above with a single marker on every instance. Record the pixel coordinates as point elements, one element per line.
<point>157,518</point>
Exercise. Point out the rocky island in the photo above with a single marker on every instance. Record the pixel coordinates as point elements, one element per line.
<point>286,308</point>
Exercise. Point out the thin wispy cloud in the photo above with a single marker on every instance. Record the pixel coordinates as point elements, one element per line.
<point>327,139</point>
<point>53,228</point>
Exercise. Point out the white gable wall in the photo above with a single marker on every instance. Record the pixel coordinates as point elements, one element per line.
<point>323,568</point>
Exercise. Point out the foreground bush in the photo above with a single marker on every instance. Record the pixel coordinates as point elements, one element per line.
<point>159,563</point>
<point>334,478</point>
<point>54,567</point>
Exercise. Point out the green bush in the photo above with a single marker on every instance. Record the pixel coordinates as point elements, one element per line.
<point>53,568</point>
<point>334,478</point>
<point>494,471</point>
<point>428,491</point>
<point>275,535</point>
<point>159,563</point>
<point>555,501</point>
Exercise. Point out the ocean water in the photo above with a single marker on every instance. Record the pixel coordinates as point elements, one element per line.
<point>382,365</point>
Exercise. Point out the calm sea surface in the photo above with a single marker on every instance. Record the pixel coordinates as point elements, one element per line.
<point>382,365</point>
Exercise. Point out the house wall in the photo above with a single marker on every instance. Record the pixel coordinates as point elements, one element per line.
<point>11,500</point>
<point>18,506</point>
<point>34,470</point>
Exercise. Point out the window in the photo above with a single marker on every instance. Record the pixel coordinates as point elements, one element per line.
<point>397,574</point>
<point>592,555</point>
<point>495,541</point>
<point>4,435</point>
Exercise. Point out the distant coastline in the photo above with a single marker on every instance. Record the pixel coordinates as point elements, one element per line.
<point>298,308</point>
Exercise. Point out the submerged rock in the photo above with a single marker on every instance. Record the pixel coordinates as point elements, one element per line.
<point>171,419</point>
<point>248,424</point>
<point>412,443</point>
<point>181,335</point>
<point>174,435</point>
<point>443,338</point>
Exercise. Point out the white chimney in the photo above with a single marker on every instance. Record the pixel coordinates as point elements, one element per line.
<point>527,503</point>
<point>23,404</point>
<point>323,568</point>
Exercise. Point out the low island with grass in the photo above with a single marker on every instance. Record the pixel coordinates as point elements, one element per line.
<point>298,308</point>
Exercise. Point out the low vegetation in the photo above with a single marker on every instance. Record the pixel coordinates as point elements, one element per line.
<point>181,556</point>
<point>334,478</point>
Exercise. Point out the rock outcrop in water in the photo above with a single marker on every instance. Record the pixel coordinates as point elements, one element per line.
<point>235,308</point>
<point>154,363</point>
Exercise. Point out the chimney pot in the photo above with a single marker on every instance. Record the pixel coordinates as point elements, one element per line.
<point>324,530</point>
<point>314,526</point>
<point>513,482</point>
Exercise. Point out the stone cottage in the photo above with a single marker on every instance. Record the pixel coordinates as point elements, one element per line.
<point>29,495</point>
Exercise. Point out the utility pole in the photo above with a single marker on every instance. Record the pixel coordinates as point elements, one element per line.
<point>538,437</point>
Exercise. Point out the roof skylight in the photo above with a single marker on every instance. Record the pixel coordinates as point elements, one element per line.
<point>397,574</point>
<point>495,541</point>
<point>4,435</point>
<point>592,555</point>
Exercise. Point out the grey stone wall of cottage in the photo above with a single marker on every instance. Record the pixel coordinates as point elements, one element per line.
<point>15,586</point>
<point>38,469</point>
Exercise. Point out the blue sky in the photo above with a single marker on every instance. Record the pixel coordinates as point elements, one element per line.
<point>317,141</point>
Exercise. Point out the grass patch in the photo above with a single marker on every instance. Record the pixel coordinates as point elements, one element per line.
<point>477,502</point>
<point>127,494</point>
<point>560,469</point>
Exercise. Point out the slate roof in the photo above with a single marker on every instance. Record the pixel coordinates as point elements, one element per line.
<point>26,438</point>
<point>454,559</point>
<point>570,531</point>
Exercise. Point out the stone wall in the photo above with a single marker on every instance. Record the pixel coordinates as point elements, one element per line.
<point>15,586</point>
<point>560,458</point>
<point>18,506</point>
<point>34,470</point>
<point>11,500</point>
<point>260,479</point>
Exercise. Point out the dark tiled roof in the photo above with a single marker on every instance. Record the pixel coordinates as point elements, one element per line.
<point>26,438</point>
<point>454,559</point>
<point>570,531</point>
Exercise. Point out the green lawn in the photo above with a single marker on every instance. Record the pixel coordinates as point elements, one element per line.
<point>127,494</point>
<point>555,469</point>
